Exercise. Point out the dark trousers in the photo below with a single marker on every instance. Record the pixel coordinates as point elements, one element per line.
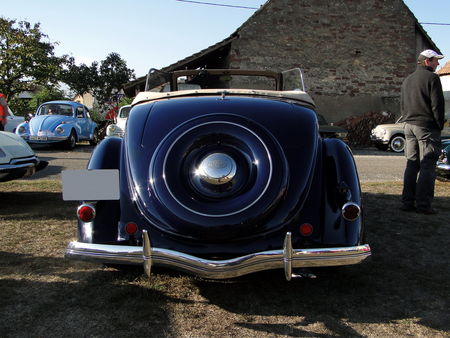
<point>2,127</point>
<point>422,149</point>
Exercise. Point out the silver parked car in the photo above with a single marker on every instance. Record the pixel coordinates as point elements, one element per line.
<point>13,121</point>
<point>392,136</point>
<point>17,159</point>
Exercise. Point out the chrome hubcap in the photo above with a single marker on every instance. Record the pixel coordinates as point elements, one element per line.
<point>217,168</point>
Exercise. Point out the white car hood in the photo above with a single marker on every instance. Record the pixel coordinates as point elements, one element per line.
<point>13,146</point>
<point>390,126</point>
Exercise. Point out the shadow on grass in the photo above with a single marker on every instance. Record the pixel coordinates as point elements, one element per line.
<point>54,297</point>
<point>49,172</point>
<point>406,277</point>
<point>19,205</point>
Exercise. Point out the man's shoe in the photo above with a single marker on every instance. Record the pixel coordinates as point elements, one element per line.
<point>407,208</point>
<point>429,211</point>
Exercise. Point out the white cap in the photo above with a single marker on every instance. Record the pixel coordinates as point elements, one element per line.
<point>428,54</point>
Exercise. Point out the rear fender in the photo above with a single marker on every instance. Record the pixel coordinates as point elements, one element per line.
<point>342,185</point>
<point>103,229</point>
<point>106,154</point>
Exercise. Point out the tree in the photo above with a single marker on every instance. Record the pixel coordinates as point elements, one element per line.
<point>112,74</point>
<point>81,79</point>
<point>26,58</point>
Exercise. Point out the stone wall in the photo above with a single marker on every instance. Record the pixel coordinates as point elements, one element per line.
<point>354,53</point>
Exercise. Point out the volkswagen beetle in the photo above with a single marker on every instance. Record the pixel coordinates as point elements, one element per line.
<point>220,182</point>
<point>63,122</point>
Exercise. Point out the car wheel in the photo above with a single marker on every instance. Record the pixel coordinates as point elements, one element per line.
<point>94,140</point>
<point>397,143</point>
<point>71,141</point>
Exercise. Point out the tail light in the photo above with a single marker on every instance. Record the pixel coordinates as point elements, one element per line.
<point>350,211</point>
<point>131,228</point>
<point>86,212</point>
<point>306,229</point>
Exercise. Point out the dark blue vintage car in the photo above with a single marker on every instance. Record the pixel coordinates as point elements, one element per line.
<point>220,182</point>
<point>63,122</point>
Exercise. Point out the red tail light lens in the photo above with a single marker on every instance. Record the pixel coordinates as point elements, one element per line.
<point>306,229</point>
<point>351,211</point>
<point>131,228</point>
<point>86,212</point>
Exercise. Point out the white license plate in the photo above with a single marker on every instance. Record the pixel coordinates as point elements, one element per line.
<point>90,185</point>
<point>38,138</point>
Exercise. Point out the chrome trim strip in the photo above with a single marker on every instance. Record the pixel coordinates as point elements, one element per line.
<point>24,159</point>
<point>4,167</point>
<point>217,269</point>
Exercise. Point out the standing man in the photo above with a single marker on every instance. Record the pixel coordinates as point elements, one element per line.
<point>422,108</point>
<point>3,111</point>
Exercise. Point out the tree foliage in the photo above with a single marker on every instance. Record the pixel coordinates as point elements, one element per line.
<point>80,78</point>
<point>112,74</point>
<point>26,57</point>
<point>104,80</point>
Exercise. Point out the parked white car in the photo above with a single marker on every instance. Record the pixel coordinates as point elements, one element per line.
<point>17,159</point>
<point>13,121</point>
<point>392,136</point>
<point>118,129</point>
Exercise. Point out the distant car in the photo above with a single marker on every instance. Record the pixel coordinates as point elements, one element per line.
<point>328,130</point>
<point>443,163</point>
<point>63,122</point>
<point>392,136</point>
<point>389,136</point>
<point>13,121</point>
<point>17,159</point>
<point>220,182</point>
<point>118,128</point>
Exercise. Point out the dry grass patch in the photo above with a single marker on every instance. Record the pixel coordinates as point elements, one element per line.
<point>403,290</point>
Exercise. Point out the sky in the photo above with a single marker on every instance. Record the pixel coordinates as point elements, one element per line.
<point>156,33</point>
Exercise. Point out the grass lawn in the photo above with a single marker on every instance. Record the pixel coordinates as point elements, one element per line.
<point>402,290</point>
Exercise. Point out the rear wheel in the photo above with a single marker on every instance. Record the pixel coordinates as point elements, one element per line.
<point>397,143</point>
<point>71,141</point>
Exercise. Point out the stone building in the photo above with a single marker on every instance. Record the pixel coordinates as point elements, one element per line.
<point>354,53</point>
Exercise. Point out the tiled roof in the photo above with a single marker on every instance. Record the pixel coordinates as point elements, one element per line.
<point>445,70</point>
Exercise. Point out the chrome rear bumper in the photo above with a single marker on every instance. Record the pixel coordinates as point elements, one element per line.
<point>286,259</point>
<point>443,166</point>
